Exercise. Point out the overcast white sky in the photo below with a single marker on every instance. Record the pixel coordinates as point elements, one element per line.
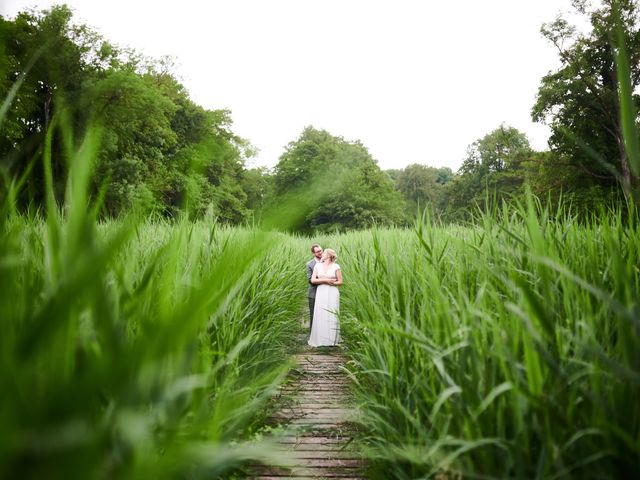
<point>415,81</point>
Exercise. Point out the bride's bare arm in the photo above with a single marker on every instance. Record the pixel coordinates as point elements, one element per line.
<point>318,281</point>
<point>338,280</point>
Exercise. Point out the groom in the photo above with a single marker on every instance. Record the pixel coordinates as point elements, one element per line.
<point>317,255</point>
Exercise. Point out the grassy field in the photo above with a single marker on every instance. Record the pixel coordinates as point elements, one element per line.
<point>508,350</point>
<point>137,348</point>
<point>150,349</point>
<point>140,350</point>
<point>147,349</point>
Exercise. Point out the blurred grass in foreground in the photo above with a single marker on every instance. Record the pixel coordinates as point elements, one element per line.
<point>137,348</point>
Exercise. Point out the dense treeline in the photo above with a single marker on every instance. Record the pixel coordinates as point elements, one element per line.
<point>161,151</point>
<point>156,145</point>
<point>587,164</point>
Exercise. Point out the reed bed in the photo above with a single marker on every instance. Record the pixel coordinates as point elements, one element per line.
<point>506,350</point>
<point>140,349</point>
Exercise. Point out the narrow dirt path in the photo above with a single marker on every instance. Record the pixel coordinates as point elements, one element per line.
<point>316,406</point>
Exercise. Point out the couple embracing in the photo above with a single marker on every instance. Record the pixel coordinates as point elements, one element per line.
<point>324,276</point>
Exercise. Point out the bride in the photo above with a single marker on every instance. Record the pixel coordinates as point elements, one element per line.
<point>325,330</point>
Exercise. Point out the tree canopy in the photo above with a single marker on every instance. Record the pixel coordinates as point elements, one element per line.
<point>422,186</point>
<point>493,168</point>
<point>158,148</point>
<point>161,151</point>
<point>580,101</point>
<point>345,186</point>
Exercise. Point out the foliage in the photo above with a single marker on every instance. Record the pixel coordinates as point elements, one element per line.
<point>136,136</point>
<point>137,349</point>
<point>422,186</point>
<point>580,100</point>
<point>341,182</point>
<point>158,146</point>
<point>505,350</point>
<point>491,172</point>
<point>259,185</point>
<point>53,80</point>
<point>560,181</point>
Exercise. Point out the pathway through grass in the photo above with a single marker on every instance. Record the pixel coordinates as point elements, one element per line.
<point>316,407</point>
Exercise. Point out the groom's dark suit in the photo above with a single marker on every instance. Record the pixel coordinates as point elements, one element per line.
<point>312,288</point>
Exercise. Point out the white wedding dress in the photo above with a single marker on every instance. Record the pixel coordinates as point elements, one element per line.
<point>326,329</point>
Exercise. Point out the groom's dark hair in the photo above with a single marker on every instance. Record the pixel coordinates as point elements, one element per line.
<point>313,247</point>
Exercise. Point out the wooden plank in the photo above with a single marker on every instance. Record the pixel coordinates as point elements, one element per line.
<point>322,409</point>
<point>312,471</point>
<point>301,385</point>
<point>313,388</point>
<point>326,463</point>
<point>320,421</point>
<point>280,477</point>
<point>319,449</point>
<point>321,440</point>
<point>316,408</point>
<point>314,416</point>
<point>320,454</point>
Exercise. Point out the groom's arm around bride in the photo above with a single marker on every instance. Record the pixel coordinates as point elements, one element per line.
<point>317,255</point>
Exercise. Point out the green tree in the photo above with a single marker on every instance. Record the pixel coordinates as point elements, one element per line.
<point>206,164</point>
<point>501,150</point>
<point>445,175</point>
<point>393,173</point>
<point>422,186</point>
<point>340,182</point>
<point>259,186</point>
<point>492,169</point>
<point>553,178</point>
<point>158,147</point>
<point>136,135</point>
<point>305,159</point>
<point>579,101</point>
<point>61,55</point>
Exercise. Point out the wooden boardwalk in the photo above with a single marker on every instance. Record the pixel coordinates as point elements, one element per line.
<point>315,406</point>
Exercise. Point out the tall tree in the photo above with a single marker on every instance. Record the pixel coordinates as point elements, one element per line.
<point>341,183</point>
<point>580,100</point>
<point>61,56</point>
<point>493,167</point>
<point>422,186</point>
<point>158,147</point>
<point>137,133</point>
<point>258,185</point>
<point>500,150</point>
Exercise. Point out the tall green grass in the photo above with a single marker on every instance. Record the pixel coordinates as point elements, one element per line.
<point>508,350</point>
<point>137,348</point>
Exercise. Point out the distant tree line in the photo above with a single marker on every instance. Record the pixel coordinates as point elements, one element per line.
<point>162,152</point>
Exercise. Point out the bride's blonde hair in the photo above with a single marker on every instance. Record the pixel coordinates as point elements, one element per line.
<point>331,254</point>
